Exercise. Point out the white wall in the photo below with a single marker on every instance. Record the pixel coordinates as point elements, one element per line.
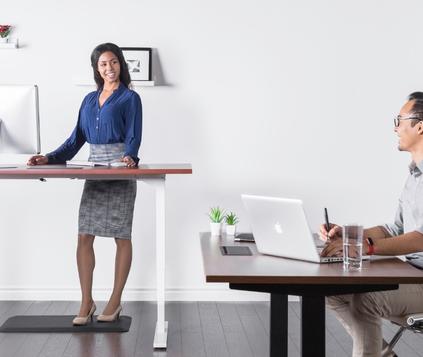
<point>292,98</point>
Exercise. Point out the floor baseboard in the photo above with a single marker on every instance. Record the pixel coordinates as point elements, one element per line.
<point>135,294</point>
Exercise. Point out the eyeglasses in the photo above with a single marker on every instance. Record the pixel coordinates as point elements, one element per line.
<point>413,116</point>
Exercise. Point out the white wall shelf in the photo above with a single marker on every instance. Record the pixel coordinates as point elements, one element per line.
<point>90,83</point>
<point>10,45</point>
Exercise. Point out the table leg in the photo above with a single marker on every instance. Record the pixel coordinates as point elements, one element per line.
<point>160,336</point>
<point>313,326</point>
<point>278,325</point>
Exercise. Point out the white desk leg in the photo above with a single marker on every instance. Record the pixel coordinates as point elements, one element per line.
<point>160,336</point>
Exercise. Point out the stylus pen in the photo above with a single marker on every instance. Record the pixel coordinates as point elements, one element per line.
<point>327,223</point>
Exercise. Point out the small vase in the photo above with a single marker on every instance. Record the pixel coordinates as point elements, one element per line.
<point>215,229</point>
<point>4,39</point>
<point>230,230</point>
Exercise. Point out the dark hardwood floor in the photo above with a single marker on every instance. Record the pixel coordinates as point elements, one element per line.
<point>196,329</point>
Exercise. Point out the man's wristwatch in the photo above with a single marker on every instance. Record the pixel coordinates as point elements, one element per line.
<point>371,246</point>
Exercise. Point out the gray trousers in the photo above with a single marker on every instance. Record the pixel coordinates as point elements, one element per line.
<point>361,314</point>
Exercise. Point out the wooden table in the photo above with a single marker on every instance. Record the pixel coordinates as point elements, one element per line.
<point>154,174</point>
<point>312,282</point>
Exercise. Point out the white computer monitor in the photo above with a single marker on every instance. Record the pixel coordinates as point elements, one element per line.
<point>19,119</point>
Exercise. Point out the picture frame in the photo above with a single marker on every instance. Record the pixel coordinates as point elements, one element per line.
<point>139,62</point>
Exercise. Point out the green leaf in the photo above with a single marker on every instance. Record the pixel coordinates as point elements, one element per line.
<point>216,214</point>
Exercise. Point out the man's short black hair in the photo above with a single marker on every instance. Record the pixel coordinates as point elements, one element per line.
<point>417,110</point>
<point>417,97</point>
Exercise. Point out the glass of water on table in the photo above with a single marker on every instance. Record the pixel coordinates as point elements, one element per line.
<point>352,235</point>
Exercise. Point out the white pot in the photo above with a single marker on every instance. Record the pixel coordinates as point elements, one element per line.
<point>215,228</point>
<point>230,230</point>
<point>3,39</point>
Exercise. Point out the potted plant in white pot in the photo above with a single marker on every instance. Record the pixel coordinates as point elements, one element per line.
<point>231,221</point>
<point>216,216</point>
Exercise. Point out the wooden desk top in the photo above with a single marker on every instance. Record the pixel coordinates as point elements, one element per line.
<point>265,269</point>
<point>98,172</point>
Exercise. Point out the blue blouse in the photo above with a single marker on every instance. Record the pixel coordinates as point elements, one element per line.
<point>119,120</point>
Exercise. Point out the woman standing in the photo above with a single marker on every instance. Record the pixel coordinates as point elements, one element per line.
<point>110,120</point>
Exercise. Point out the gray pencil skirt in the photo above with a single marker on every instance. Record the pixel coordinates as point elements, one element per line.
<point>107,206</point>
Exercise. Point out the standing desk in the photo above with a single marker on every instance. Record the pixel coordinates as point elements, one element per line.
<point>154,174</point>
<point>311,281</point>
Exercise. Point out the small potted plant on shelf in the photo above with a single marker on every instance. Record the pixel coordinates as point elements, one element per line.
<point>4,32</point>
<point>231,221</point>
<point>216,216</point>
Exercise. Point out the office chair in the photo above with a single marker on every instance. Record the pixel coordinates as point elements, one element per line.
<point>412,322</point>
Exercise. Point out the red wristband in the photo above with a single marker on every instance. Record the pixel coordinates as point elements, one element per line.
<point>371,247</point>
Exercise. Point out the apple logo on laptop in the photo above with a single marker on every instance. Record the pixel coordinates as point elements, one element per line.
<point>278,228</point>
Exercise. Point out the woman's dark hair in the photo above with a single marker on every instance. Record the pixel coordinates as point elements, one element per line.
<point>124,76</point>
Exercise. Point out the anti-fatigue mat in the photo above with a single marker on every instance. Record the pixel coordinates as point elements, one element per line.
<point>61,323</point>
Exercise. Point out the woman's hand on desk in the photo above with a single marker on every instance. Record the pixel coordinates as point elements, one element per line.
<point>129,161</point>
<point>335,232</point>
<point>37,160</point>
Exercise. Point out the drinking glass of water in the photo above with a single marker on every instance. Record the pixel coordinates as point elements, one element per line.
<point>352,235</point>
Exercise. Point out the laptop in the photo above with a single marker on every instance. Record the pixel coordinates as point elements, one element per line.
<point>280,228</point>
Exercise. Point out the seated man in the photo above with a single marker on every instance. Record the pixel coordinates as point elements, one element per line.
<point>361,313</point>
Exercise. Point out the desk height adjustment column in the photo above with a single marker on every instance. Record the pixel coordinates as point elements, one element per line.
<point>160,336</point>
<point>278,325</point>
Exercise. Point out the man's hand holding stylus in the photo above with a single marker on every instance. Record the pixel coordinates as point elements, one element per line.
<point>335,232</point>
<point>333,240</point>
